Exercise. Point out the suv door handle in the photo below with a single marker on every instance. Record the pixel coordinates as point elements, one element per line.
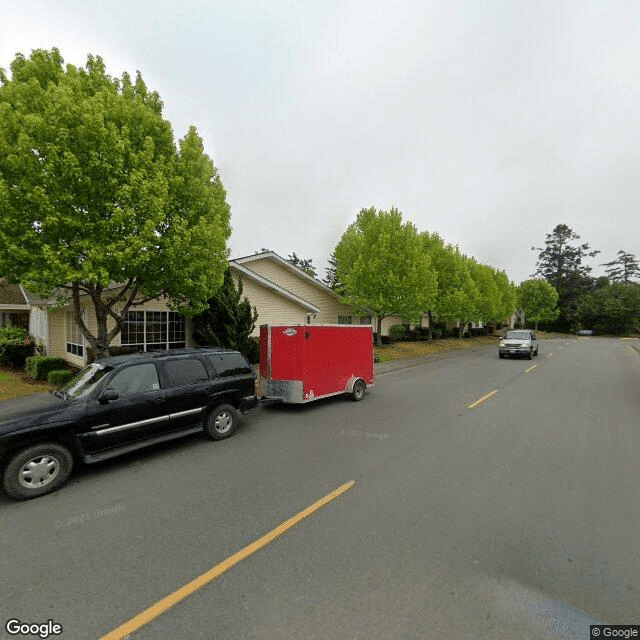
<point>159,399</point>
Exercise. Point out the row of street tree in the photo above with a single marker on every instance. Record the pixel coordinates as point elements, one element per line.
<point>383,266</point>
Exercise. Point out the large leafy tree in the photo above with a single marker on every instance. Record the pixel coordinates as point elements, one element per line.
<point>623,269</point>
<point>228,320</point>
<point>97,200</point>
<point>561,262</point>
<point>507,294</point>
<point>383,269</point>
<point>539,300</point>
<point>489,305</point>
<point>611,309</point>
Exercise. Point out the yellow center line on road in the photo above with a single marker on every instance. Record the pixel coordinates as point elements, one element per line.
<point>477,402</point>
<point>548,355</point>
<point>531,368</point>
<point>169,601</point>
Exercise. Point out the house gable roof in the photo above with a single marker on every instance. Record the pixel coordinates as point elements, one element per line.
<point>272,255</point>
<point>11,295</point>
<point>274,287</point>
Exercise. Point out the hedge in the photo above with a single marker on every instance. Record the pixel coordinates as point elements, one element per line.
<point>58,377</point>
<point>39,367</point>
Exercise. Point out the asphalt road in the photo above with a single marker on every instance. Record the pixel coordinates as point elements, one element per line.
<point>516,518</point>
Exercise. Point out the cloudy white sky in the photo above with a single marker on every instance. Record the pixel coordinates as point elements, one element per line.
<point>488,122</point>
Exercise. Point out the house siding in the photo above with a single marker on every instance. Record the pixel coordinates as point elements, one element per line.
<point>272,308</point>
<point>330,306</point>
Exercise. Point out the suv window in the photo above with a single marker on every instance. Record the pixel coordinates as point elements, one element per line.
<point>185,371</point>
<point>229,364</point>
<point>139,378</point>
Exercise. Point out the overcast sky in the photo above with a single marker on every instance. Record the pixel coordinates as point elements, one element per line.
<point>488,122</point>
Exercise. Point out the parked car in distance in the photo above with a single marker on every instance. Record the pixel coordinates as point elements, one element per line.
<point>585,332</point>
<point>117,405</point>
<point>519,342</point>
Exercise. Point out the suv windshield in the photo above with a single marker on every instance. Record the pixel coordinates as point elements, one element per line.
<point>85,381</point>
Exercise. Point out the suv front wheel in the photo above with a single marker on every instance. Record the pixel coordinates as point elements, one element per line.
<point>222,422</point>
<point>37,470</point>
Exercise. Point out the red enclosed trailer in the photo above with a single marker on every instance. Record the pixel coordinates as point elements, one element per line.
<point>300,363</point>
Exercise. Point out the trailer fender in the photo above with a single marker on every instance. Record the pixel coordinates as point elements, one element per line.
<point>351,382</point>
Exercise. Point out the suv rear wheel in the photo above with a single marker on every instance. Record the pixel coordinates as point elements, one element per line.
<point>222,422</point>
<point>37,470</point>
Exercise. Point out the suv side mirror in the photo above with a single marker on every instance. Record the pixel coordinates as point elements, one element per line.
<point>107,395</point>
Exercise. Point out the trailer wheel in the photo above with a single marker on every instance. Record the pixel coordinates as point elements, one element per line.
<point>221,422</point>
<point>357,392</point>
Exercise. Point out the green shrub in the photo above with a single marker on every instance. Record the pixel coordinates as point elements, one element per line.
<point>398,332</point>
<point>39,367</point>
<point>16,345</point>
<point>58,377</point>
<point>253,350</point>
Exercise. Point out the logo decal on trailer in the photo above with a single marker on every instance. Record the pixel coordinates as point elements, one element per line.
<point>290,332</point>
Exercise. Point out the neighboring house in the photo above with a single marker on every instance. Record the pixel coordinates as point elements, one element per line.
<point>151,325</point>
<point>14,306</point>
<point>516,318</point>
<point>284,294</point>
<point>281,293</point>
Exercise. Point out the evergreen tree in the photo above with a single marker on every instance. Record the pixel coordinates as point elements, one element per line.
<point>560,262</point>
<point>331,278</point>
<point>303,264</point>
<point>228,320</point>
<point>623,269</point>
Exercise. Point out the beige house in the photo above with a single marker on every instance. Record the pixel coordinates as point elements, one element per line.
<point>281,293</point>
<point>14,305</point>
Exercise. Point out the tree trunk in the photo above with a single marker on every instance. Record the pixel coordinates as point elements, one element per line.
<point>379,330</point>
<point>430,330</point>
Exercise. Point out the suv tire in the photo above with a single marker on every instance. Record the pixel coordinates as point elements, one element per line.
<point>222,422</point>
<point>36,470</point>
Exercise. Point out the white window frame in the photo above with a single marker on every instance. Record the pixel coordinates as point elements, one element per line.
<point>75,342</point>
<point>156,345</point>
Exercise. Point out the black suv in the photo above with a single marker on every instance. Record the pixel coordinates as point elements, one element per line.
<point>119,404</point>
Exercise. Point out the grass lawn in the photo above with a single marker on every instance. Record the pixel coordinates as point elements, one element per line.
<point>401,350</point>
<point>16,382</point>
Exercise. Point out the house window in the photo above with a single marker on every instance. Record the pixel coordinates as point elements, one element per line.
<point>153,330</point>
<point>38,324</point>
<point>344,319</point>
<point>75,341</point>
<point>365,320</point>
